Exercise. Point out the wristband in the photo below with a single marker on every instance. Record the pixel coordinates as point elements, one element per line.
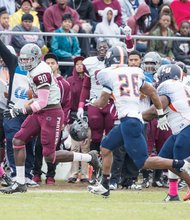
<point>160,111</point>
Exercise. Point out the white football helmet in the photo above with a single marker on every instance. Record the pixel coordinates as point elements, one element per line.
<point>30,56</point>
<point>151,62</point>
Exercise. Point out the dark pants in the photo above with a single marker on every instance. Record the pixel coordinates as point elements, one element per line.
<point>2,137</point>
<point>123,167</point>
<point>11,127</point>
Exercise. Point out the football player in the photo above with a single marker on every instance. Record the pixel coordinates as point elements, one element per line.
<point>124,83</point>
<point>45,117</point>
<point>175,98</point>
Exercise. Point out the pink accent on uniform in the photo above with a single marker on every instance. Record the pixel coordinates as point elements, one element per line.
<point>173,187</point>
<point>1,171</point>
<point>81,104</point>
<point>19,147</point>
<point>42,101</point>
<point>24,111</point>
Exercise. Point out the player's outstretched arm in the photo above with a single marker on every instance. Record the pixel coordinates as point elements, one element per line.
<point>151,113</point>
<point>152,93</point>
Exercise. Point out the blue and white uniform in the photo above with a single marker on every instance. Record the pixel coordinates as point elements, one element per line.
<point>123,83</point>
<point>177,145</point>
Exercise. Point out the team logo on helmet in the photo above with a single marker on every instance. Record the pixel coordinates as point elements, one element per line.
<point>30,56</point>
<point>169,71</point>
<point>116,55</point>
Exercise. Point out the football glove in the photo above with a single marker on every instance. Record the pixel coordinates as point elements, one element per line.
<point>162,120</point>
<point>80,113</point>
<point>12,113</point>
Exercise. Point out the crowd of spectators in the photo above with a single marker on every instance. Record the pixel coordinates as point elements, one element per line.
<point>106,17</point>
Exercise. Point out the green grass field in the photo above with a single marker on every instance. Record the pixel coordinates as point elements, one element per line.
<point>75,205</point>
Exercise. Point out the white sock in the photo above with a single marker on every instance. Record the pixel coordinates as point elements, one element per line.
<point>81,157</point>
<point>20,174</point>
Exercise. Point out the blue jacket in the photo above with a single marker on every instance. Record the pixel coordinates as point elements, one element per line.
<point>65,47</point>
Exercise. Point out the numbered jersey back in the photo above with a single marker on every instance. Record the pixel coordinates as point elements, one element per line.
<point>124,83</point>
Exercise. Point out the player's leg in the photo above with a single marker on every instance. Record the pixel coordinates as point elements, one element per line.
<point>29,128</point>
<point>51,124</point>
<point>110,142</point>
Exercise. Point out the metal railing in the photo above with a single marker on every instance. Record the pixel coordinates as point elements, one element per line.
<point>135,37</point>
<point>144,37</point>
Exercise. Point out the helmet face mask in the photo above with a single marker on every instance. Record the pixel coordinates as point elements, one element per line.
<point>30,57</point>
<point>79,129</point>
<point>151,62</point>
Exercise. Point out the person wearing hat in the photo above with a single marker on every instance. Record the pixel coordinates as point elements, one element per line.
<point>4,25</point>
<point>18,41</point>
<point>52,60</point>
<point>26,7</point>
<point>78,170</point>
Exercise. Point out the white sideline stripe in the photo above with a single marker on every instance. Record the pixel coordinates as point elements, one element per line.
<point>56,191</point>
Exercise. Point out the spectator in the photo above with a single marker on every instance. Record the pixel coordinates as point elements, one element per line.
<point>108,27</point>
<point>65,48</point>
<point>26,7</point>
<point>78,169</point>
<point>165,8</point>
<point>9,5</point>
<point>128,8</point>
<point>4,25</point>
<point>102,4</point>
<point>138,25</point>
<point>75,82</point>
<point>86,12</point>
<point>53,19</point>
<point>40,6</point>
<point>181,10</point>
<point>181,49</point>
<point>163,47</point>
<point>154,10</point>
<point>18,41</point>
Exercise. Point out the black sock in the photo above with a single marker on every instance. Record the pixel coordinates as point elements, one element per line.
<point>105,181</point>
<point>177,164</point>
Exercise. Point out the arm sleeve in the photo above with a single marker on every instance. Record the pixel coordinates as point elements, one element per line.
<point>85,93</point>
<point>65,98</point>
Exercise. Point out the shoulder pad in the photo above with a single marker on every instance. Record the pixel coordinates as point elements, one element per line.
<point>90,61</point>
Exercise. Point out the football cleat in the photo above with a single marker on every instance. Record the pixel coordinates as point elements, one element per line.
<point>30,183</point>
<point>14,188</point>
<point>158,183</point>
<point>7,180</point>
<point>95,163</point>
<point>99,189</point>
<point>145,183</point>
<point>171,198</point>
<point>135,186</point>
<point>182,184</point>
<point>113,186</point>
<point>186,167</point>
<point>187,196</point>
